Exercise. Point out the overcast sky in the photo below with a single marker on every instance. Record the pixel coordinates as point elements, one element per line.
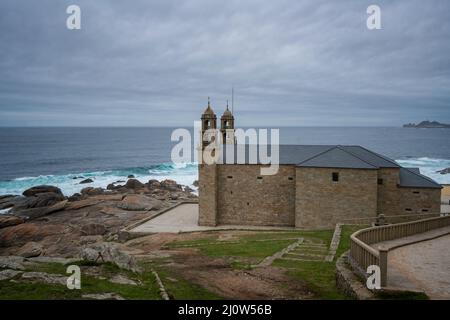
<point>292,63</point>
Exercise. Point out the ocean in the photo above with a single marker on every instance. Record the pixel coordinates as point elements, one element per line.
<point>64,156</point>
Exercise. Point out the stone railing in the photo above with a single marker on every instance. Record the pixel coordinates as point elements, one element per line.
<point>362,254</point>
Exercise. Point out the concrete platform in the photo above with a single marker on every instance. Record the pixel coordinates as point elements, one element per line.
<point>184,218</point>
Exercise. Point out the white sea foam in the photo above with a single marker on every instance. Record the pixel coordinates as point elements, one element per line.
<point>429,167</point>
<point>184,174</point>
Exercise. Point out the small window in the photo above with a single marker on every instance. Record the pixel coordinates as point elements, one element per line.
<point>416,192</point>
<point>231,192</point>
<point>290,178</point>
<point>380,181</point>
<point>230,177</point>
<point>408,209</point>
<point>248,203</point>
<point>259,178</point>
<point>424,210</point>
<point>335,176</point>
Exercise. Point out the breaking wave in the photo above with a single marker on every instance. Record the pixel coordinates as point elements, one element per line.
<point>185,174</point>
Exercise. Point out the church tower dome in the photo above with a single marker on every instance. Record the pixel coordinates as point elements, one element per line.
<point>209,121</point>
<point>227,126</point>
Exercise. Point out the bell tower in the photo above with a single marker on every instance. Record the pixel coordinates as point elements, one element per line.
<point>227,127</point>
<point>209,121</point>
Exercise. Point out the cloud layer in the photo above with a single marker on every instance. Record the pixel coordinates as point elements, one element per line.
<point>291,62</point>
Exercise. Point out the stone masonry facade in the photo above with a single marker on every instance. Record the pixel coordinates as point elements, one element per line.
<point>301,197</point>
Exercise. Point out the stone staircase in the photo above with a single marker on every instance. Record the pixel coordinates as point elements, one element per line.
<point>308,250</point>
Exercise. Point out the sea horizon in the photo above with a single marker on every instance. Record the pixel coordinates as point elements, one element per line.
<point>64,156</point>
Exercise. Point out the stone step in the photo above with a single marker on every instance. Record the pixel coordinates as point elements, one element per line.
<point>306,254</point>
<point>298,259</point>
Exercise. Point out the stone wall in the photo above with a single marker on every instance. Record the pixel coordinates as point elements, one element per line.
<point>388,191</point>
<point>321,202</point>
<point>207,191</point>
<point>307,197</point>
<point>245,197</point>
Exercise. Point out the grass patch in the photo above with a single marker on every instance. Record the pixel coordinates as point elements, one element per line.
<point>319,276</point>
<point>347,231</point>
<point>18,289</point>
<point>177,287</point>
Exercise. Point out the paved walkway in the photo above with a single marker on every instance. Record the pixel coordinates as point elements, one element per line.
<point>423,266</point>
<point>184,218</point>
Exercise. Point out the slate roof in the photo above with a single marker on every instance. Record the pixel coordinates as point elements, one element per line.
<point>334,156</point>
<point>409,177</point>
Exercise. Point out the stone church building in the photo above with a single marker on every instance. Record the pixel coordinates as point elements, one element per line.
<point>316,186</point>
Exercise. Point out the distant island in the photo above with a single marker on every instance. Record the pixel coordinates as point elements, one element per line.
<point>427,124</point>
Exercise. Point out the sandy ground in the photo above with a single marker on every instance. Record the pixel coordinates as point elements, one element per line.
<point>423,266</point>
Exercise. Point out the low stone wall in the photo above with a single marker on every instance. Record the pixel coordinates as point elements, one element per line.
<point>348,283</point>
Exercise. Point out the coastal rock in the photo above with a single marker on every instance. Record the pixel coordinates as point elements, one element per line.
<point>26,232</point>
<point>130,176</point>
<point>8,201</point>
<point>30,250</point>
<point>90,191</point>
<point>89,180</point>
<point>75,197</point>
<point>90,239</point>
<point>188,189</point>
<point>138,202</point>
<point>93,229</point>
<point>44,278</point>
<point>109,252</point>
<point>34,213</point>
<point>39,200</point>
<point>153,183</point>
<point>444,171</point>
<point>8,274</point>
<point>195,183</point>
<point>12,262</point>
<point>170,185</point>
<point>41,189</point>
<point>7,221</point>
<point>134,184</point>
<point>120,279</point>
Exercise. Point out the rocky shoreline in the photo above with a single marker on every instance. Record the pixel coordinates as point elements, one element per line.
<point>45,223</point>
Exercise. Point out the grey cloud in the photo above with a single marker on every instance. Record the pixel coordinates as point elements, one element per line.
<point>144,63</point>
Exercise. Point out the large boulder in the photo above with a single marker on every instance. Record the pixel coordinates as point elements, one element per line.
<point>170,185</point>
<point>90,191</point>
<point>134,184</point>
<point>7,221</point>
<point>26,232</point>
<point>195,183</point>
<point>88,180</point>
<point>8,201</point>
<point>444,171</point>
<point>109,252</point>
<point>34,213</point>
<point>39,200</point>
<point>139,202</point>
<point>41,189</point>
<point>30,250</point>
